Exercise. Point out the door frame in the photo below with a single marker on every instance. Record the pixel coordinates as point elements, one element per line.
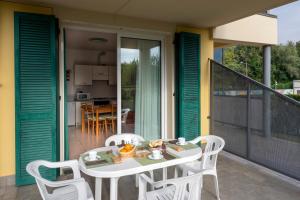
<point>121,32</point>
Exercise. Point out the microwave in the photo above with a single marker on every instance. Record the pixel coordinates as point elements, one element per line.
<point>83,96</point>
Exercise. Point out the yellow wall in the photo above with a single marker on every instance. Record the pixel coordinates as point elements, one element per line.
<point>7,106</point>
<point>7,98</point>
<point>206,52</point>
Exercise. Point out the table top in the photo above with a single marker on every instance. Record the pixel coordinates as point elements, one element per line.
<point>131,166</point>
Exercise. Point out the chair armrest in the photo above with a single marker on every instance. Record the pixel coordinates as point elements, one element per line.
<point>56,184</point>
<point>79,184</point>
<point>146,179</point>
<point>69,163</point>
<point>197,139</point>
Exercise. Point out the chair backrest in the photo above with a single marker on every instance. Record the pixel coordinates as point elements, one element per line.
<point>114,110</point>
<point>183,188</point>
<point>128,138</point>
<point>214,145</point>
<point>33,169</point>
<point>88,109</point>
<point>124,115</point>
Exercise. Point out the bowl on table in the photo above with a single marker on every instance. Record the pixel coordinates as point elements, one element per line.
<point>127,151</point>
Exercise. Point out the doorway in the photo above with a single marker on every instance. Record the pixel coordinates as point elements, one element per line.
<point>91,88</point>
<point>135,57</point>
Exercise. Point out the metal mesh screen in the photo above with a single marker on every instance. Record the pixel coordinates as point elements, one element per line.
<point>256,122</point>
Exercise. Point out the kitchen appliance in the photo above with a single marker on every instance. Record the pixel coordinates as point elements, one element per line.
<point>83,96</point>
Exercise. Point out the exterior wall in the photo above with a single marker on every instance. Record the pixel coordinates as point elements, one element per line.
<point>206,52</point>
<point>256,29</point>
<point>7,88</point>
<point>7,98</point>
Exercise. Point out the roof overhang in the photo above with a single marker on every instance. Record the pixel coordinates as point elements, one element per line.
<point>196,13</point>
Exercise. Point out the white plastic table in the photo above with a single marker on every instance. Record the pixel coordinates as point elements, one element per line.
<point>131,167</point>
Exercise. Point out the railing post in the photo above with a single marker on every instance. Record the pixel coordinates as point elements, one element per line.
<point>211,106</point>
<point>248,119</point>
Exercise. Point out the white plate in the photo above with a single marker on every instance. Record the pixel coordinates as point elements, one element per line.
<point>152,158</point>
<point>87,158</point>
<point>180,144</point>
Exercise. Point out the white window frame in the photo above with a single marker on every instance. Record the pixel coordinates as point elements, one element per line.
<point>121,32</point>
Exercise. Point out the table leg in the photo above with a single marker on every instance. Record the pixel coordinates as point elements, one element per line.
<point>98,188</point>
<point>114,188</point>
<point>97,122</point>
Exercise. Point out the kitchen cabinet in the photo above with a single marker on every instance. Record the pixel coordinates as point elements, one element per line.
<point>71,113</point>
<point>100,73</point>
<point>83,75</point>
<point>112,75</point>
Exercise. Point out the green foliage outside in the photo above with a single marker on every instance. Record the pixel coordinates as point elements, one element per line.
<point>285,63</point>
<point>129,84</point>
<point>294,96</point>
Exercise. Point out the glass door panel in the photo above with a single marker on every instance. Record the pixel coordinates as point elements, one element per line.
<point>141,87</point>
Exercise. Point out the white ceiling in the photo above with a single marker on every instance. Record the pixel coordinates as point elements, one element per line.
<point>200,13</point>
<point>78,39</point>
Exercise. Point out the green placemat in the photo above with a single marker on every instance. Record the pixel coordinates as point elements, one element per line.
<point>106,159</point>
<point>147,161</point>
<point>188,146</point>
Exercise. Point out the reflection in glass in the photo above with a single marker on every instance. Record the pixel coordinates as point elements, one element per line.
<point>141,87</point>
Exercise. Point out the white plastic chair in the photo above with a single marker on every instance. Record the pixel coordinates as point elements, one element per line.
<point>76,188</point>
<point>127,138</point>
<point>214,145</point>
<point>183,188</point>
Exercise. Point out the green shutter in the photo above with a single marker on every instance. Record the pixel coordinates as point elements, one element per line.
<point>36,93</point>
<point>188,83</point>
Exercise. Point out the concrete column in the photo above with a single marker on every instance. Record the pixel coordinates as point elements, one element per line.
<point>267,65</point>
<point>267,93</point>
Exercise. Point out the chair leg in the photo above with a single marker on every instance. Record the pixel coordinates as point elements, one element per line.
<point>176,172</point>
<point>137,176</point>
<point>105,127</point>
<point>88,127</point>
<point>184,172</point>
<point>113,126</point>
<point>152,178</point>
<point>216,186</point>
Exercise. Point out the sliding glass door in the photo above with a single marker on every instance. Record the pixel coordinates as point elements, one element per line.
<point>141,87</point>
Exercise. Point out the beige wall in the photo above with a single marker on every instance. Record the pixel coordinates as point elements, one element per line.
<point>7,78</point>
<point>256,29</point>
<point>206,52</point>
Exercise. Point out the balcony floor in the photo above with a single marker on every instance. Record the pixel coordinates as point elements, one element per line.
<point>237,181</point>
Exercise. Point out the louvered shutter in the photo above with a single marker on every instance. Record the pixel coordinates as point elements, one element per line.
<point>188,83</point>
<point>35,76</point>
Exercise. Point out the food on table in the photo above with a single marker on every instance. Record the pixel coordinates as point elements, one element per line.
<point>127,151</point>
<point>127,148</point>
<point>155,143</point>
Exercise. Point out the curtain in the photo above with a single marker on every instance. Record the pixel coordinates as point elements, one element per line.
<point>148,90</point>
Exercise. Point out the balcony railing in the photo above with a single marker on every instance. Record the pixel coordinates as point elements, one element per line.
<point>257,123</point>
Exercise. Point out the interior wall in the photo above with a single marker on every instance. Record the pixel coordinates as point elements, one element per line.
<point>99,89</point>
<point>206,53</point>
<point>7,80</point>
